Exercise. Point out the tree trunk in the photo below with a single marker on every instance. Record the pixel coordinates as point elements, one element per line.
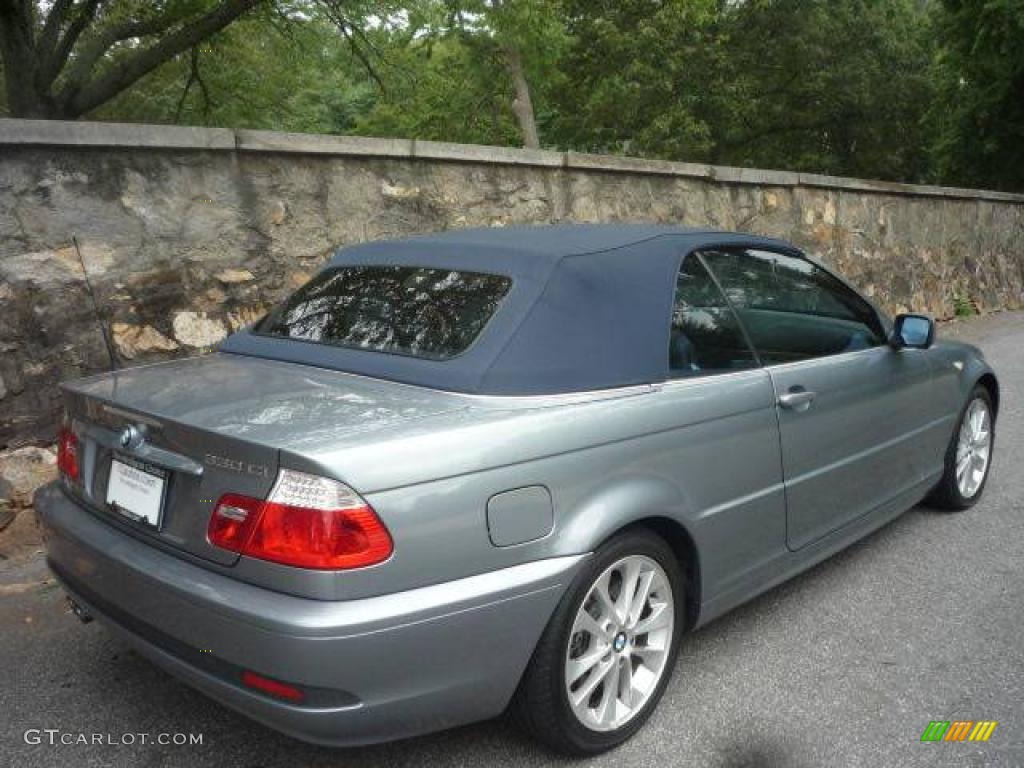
<point>17,49</point>
<point>522,104</point>
<point>31,67</point>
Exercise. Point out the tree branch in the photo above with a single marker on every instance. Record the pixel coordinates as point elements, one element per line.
<point>350,32</point>
<point>55,56</point>
<point>51,28</point>
<point>17,50</point>
<point>193,71</point>
<point>363,58</point>
<point>196,78</point>
<point>94,50</point>
<point>131,67</point>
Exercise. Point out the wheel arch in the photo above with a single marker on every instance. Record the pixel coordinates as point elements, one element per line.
<point>639,501</point>
<point>685,549</point>
<point>989,382</point>
<point>683,546</point>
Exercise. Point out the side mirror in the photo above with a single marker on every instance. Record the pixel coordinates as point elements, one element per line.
<point>913,332</point>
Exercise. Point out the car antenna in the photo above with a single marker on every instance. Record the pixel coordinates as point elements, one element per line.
<point>95,306</point>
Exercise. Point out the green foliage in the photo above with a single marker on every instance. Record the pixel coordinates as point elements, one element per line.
<point>295,77</point>
<point>638,71</point>
<point>962,306</point>
<point>909,90</point>
<point>4,110</point>
<point>449,78</point>
<point>64,59</point>
<point>797,84</point>
<point>422,74</point>
<point>441,90</point>
<point>833,86</point>
<point>980,114</point>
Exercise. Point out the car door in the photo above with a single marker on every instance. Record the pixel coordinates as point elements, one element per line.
<point>723,450</point>
<point>849,405</point>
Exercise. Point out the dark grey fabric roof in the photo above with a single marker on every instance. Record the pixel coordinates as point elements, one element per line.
<point>589,308</point>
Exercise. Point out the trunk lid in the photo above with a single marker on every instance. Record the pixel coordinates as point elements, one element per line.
<point>217,424</point>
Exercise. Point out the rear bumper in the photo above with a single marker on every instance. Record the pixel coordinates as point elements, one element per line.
<point>375,669</point>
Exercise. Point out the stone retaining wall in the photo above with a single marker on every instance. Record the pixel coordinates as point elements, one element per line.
<point>185,234</point>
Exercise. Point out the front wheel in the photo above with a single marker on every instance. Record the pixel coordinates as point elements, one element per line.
<point>604,660</point>
<point>969,455</point>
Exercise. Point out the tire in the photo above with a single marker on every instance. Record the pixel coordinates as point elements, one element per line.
<point>950,493</point>
<point>542,704</point>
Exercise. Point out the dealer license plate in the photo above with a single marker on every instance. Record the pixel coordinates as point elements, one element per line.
<point>136,492</point>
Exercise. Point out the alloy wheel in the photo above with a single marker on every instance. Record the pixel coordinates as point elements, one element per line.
<point>974,448</point>
<point>620,643</point>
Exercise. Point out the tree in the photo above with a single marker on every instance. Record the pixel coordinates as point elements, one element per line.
<point>82,53</point>
<point>474,71</point>
<point>797,84</point>
<point>909,90</point>
<point>440,89</point>
<point>638,70</point>
<point>980,111</point>
<point>288,73</point>
<point>523,37</point>
<point>832,86</point>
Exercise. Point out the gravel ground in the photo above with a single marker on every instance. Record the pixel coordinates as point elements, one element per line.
<point>844,665</point>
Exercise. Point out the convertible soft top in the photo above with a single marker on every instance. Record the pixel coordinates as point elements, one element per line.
<point>589,308</point>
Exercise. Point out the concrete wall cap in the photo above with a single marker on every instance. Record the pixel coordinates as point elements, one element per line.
<point>59,133</point>
<point>66,134</point>
<point>319,144</point>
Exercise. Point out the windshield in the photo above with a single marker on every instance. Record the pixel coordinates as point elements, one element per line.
<point>430,313</point>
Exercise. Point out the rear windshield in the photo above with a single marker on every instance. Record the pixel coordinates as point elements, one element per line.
<point>430,313</point>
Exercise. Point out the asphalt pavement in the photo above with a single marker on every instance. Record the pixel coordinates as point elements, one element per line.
<point>844,665</point>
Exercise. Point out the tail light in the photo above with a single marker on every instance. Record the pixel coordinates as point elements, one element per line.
<point>306,522</point>
<point>67,453</point>
<point>273,687</point>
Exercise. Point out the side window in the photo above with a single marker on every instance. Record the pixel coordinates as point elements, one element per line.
<point>705,337</point>
<point>791,308</point>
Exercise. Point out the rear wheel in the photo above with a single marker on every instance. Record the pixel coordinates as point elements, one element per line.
<point>969,455</point>
<point>607,654</point>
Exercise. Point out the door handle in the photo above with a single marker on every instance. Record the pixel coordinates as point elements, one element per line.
<point>797,399</point>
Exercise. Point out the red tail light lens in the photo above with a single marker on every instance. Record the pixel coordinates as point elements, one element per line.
<point>319,538</point>
<point>232,521</point>
<point>273,687</point>
<point>307,522</point>
<point>67,454</point>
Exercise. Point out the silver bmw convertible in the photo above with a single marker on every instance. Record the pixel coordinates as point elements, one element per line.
<point>503,469</point>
